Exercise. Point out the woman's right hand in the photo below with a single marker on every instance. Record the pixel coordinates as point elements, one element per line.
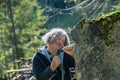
<point>55,63</point>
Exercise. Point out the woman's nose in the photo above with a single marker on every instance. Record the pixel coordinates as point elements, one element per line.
<point>61,43</point>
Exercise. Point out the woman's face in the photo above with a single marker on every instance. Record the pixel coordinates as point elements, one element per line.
<point>60,41</point>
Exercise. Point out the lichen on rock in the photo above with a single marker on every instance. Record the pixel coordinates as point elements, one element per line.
<point>97,52</point>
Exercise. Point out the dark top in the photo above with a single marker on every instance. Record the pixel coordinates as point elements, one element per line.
<point>41,68</point>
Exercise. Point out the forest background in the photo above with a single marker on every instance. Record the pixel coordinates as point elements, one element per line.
<point>23,22</point>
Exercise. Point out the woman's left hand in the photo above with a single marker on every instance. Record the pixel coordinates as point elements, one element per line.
<point>69,50</point>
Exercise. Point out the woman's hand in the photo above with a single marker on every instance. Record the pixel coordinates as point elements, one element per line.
<point>69,50</point>
<point>55,63</point>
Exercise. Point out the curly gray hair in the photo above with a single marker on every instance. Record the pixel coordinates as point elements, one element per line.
<point>51,36</point>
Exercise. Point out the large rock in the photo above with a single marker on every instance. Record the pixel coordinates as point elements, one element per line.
<point>98,48</point>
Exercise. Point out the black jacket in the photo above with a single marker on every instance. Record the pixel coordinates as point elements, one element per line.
<point>41,68</point>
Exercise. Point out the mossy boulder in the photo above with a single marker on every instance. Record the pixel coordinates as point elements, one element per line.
<point>97,52</point>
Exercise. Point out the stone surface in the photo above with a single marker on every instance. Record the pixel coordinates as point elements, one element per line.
<point>97,52</point>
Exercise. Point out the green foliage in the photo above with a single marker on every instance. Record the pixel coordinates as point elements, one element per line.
<point>28,20</point>
<point>118,7</point>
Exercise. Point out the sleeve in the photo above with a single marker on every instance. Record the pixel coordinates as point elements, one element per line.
<point>71,66</point>
<point>40,70</point>
<point>70,60</point>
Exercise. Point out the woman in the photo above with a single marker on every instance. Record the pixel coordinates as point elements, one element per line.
<point>54,61</point>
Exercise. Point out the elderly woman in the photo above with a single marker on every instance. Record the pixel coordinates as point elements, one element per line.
<point>54,61</point>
